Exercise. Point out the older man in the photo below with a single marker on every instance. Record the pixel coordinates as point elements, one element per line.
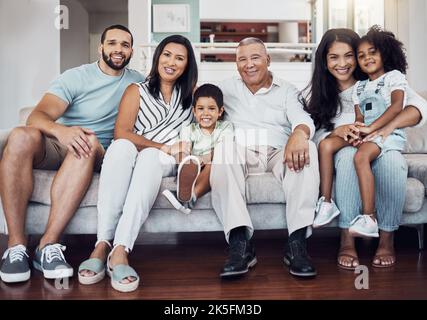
<point>85,102</point>
<point>273,134</point>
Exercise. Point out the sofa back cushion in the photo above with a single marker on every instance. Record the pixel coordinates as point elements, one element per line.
<point>417,140</point>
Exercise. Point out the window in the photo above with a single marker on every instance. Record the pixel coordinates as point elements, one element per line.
<point>338,14</point>
<point>358,15</point>
<point>366,14</point>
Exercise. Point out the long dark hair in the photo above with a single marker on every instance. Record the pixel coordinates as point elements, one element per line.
<point>186,82</point>
<point>391,49</point>
<point>321,98</point>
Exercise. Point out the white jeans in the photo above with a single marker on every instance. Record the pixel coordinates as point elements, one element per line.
<point>128,186</point>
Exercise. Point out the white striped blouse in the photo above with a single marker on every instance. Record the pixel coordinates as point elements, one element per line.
<point>158,121</point>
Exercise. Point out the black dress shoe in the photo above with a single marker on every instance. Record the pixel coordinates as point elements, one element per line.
<point>241,257</point>
<point>298,260</point>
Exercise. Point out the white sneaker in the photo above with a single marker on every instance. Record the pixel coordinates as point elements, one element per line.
<point>188,171</point>
<point>325,212</point>
<point>364,226</point>
<point>171,196</point>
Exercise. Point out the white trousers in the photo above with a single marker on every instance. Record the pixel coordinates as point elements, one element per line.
<point>128,186</point>
<point>232,164</point>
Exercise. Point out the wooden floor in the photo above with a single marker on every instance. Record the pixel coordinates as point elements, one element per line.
<point>186,266</point>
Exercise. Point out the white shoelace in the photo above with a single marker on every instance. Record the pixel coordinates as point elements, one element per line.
<point>363,217</point>
<point>53,251</point>
<point>16,253</point>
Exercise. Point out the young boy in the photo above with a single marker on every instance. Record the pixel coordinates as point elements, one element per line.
<point>194,168</point>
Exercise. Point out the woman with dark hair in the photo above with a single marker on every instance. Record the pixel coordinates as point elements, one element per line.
<point>151,115</point>
<point>329,101</point>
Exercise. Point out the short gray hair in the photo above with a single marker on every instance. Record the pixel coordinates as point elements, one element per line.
<point>251,40</point>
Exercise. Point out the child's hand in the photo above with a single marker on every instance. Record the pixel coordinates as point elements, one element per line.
<point>347,132</point>
<point>185,147</point>
<point>179,147</point>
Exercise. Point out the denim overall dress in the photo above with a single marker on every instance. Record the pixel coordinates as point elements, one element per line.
<point>372,105</point>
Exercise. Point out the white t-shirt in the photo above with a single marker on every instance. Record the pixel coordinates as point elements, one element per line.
<point>393,80</point>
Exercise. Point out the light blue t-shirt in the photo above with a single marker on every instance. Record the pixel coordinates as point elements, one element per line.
<point>93,98</point>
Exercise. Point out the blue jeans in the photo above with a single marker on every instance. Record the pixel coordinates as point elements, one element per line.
<point>390,173</point>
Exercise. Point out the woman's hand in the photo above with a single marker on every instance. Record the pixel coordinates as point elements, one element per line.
<point>383,132</point>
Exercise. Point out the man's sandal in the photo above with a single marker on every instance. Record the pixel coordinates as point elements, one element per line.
<point>97,266</point>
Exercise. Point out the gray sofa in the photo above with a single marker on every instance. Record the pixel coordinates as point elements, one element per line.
<point>264,197</point>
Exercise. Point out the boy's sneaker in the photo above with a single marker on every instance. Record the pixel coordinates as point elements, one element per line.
<point>364,226</point>
<point>325,212</point>
<point>50,260</point>
<point>14,265</point>
<point>188,171</point>
<point>183,207</point>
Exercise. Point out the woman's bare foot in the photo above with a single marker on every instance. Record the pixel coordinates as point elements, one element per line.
<point>347,255</point>
<point>101,251</point>
<point>120,256</point>
<point>385,256</point>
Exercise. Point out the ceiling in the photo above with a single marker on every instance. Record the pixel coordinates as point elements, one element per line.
<point>105,6</point>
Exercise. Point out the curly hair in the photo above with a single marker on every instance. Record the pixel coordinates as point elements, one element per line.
<point>391,50</point>
<point>321,97</point>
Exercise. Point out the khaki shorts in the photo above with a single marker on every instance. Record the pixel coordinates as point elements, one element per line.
<point>54,155</point>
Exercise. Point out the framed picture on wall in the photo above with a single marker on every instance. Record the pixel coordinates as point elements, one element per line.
<point>171,18</point>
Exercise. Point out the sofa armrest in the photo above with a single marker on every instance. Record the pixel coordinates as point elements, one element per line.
<point>4,133</point>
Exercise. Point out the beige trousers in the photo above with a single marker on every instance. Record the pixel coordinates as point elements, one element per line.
<point>231,165</point>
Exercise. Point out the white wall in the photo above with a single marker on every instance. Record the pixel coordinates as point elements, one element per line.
<point>140,26</point>
<point>29,58</point>
<point>407,19</point>
<point>254,10</point>
<point>417,44</point>
<point>75,40</point>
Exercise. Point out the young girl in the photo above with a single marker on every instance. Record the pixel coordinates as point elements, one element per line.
<point>201,137</point>
<point>377,101</point>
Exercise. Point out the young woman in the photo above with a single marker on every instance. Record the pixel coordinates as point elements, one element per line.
<point>150,118</point>
<point>330,104</point>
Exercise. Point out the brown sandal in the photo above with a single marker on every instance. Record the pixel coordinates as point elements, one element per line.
<point>380,257</point>
<point>352,257</point>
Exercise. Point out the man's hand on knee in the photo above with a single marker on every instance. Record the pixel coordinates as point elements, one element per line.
<point>296,154</point>
<point>76,140</point>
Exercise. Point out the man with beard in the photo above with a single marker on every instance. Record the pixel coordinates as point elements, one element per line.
<point>69,131</point>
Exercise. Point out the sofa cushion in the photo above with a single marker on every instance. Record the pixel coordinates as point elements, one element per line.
<point>263,188</point>
<point>417,167</point>
<point>416,140</point>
